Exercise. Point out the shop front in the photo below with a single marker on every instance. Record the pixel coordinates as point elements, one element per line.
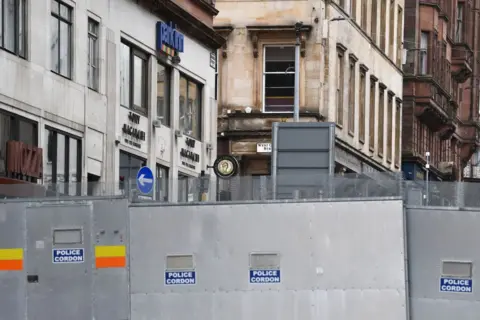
<point>21,161</point>
<point>175,136</point>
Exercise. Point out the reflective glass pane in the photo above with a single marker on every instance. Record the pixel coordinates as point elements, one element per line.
<point>280,54</point>
<point>60,158</point>
<point>184,121</point>
<point>163,94</point>
<point>9,25</point>
<point>54,38</point>
<point>65,49</point>
<point>138,85</point>
<point>194,109</point>
<point>125,75</point>
<point>73,160</point>
<point>21,28</point>
<point>74,176</point>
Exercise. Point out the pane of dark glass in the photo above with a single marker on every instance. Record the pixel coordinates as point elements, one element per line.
<point>27,132</point>
<point>162,183</point>
<point>280,54</point>
<point>21,28</point>
<point>279,80</point>
<point>163,94</point>
<point>184,121</point>
<point>5,135</point>
<point>124,167</point>
<point>9,25</point>
<point>48,156</point>
<point>280,66</point>
<point>279,92</point>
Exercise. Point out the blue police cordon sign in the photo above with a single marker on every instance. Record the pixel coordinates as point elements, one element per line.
<point>68,255</point>
<point>180,277</point>
<point>456,285</point>
<point>265,276</point>
<point>145,180</point>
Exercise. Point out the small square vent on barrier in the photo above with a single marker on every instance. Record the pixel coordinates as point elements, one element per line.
<point>67,236</point>
<point>180,262</point>
<point>461,269</point>
<point>264,260</point>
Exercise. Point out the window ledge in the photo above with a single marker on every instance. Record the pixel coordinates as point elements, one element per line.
<point>255,31</point>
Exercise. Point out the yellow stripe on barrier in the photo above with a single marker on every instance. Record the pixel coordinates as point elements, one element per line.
<point>110,251</point>
<point>11,254</point>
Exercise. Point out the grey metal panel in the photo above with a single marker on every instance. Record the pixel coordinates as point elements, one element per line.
<point>436,235</point>
<point>339,260</point>
<point>110,286</point>
<point>12,283</point>
<point>63,291</point>
<point>302,159</point>
<point>302,153</point>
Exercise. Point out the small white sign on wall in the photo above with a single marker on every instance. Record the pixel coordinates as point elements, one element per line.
<point>134,129</point>
<point>189,153</point>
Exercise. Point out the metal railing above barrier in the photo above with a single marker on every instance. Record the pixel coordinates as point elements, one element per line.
<point>261,188</point>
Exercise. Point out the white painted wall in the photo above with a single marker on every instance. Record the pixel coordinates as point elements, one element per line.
<point>28,87</point>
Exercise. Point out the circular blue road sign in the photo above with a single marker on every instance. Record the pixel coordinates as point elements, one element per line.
<point>145,180</point>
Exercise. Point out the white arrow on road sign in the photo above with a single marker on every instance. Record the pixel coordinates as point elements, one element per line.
<point>142,180</point>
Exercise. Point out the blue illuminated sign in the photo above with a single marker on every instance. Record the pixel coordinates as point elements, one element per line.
<point>456,285</point>
<point>180,277</point>
<point>265,276</point>
<point>68,256</point>
<point>169,38</point>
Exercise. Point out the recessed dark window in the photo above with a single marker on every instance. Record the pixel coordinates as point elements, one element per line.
<point>129,166</point>
<point>63,162</point>
<point>279,79</point>
<point>14,127</point>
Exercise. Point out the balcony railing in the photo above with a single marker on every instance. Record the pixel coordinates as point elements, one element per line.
<point>439,70</point>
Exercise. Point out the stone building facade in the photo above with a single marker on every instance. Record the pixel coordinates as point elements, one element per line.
<point>94,90</point>
<point>350,74</point>
<point>441,88</point>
